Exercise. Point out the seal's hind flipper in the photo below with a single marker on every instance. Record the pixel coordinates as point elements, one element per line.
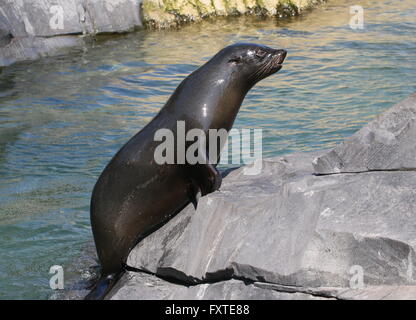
<point>103,286</point>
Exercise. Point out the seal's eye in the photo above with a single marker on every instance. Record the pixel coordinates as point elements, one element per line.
<point>260,53</point>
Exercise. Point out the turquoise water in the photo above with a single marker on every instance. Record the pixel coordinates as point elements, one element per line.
<point>62,119</point>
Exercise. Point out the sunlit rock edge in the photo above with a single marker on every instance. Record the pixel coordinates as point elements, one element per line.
<point>168,13</point>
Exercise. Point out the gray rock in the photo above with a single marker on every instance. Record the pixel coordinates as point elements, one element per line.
<point>31,48</point>
<point>387,143</point>
<point>5,37</point>
<point>237,290</point>
<point>42,18</point>
<point>5,34</point>
<point>294,234</point>
<point>140,286</point>
<point>113,16</point>
<point>290,227</point>
<point>31,29</point>
<point>380,293</point>
<point>367,293</point>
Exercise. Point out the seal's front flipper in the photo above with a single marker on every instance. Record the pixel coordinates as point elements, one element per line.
<point>194,192</point>
<point>103,286</point>
<point>206,177</point>
<point>214,179</point>
<point>195,198</point>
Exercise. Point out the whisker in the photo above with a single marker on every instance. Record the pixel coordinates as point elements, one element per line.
<point>266,67</point>
<point>259,71</point>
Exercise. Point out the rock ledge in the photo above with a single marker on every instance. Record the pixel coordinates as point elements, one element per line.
<point>290,233</point>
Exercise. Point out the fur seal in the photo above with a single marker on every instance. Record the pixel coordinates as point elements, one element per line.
<point>134,194</point>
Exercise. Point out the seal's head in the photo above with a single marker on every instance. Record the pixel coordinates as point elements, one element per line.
<point>250,63</point>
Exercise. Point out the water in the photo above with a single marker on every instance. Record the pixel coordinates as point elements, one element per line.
<point>62,119</point>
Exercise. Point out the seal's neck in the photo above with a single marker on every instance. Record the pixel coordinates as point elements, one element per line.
<point>210,97</point>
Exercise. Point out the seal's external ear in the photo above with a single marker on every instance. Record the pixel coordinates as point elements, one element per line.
<point>235,59</point>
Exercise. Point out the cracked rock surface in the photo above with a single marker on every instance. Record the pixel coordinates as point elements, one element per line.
<point>288,230</point>
<point>141,286</point>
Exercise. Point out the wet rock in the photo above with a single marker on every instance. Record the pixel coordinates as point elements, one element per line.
<point>386,143</point>
<point>80,276</point>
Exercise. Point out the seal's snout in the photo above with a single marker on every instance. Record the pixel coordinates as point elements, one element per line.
<point>280,55</point>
